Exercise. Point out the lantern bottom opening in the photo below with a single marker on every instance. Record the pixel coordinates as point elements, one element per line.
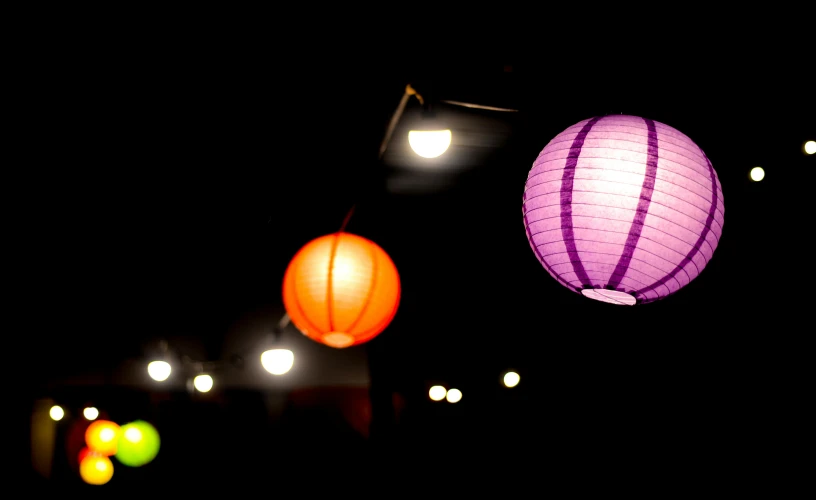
<point>338,339</point>
<point>609,296</point>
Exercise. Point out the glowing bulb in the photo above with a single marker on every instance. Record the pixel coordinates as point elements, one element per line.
<point>429,143</point>
<point>90,413</point>
<point>102,437</point>
<point>757,174</point>
<point>158,370</point>
<point>437,393</point>
<point>277,361</point>
<point>454,396</point>
<point>810,147</point>
<point>511,379</point>
<point>203,383</point>
<point>56,413</point>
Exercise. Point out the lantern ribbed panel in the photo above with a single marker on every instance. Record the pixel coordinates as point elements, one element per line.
<point>622,208</point>
<point>341,289</point>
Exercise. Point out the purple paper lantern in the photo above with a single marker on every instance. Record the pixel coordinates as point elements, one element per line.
<point>623,209</point>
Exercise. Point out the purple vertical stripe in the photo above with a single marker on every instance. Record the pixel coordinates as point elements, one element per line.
<point>645,200</point>
<point>697,245</point>
<point>533,245</point>
<point>567,181</point>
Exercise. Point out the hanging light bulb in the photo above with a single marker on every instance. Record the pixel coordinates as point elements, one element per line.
<point>159,370</point>
<point>277,361</point>
<point>203,383</point>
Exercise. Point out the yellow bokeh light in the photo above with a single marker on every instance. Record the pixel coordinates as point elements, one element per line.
<point>90,413</point>
<point>437,393</point>
<point>757,174</point>
<point>56,413</point>
<point>101,437</point>
<point>810,147</point>
<point>203,383</point>
<point>454,396</point>
<point>96,469</point>
<point>511,379</point>
<point>159,370</point>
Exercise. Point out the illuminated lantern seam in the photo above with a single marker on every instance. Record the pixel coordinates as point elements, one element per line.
<point>623,209</point>
<point>341,290</point>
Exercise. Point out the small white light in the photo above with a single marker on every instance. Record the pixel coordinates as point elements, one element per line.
<point>277,361</point>
<point>203,383</point>
<point>454,396</point>
<point>511,379</point>
<point>757,174</point>
<point>429,143</point>
<point>90,413</point>
<point>437,393</point>
<point>56,413</point>
<point>810,147</point>
<point>159,370</point>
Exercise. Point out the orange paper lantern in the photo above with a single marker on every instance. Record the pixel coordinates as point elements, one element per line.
<point>341,290</point>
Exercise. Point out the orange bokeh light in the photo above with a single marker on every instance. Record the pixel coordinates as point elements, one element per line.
<point>341,290</point>
<point>102,437</point>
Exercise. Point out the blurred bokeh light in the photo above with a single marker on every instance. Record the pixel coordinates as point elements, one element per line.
<point>277,361</point>
<point>90,413</point>
<point>102,437</point>
<point>203,383</point>
<point>95,469</point>
<point>757,174</point>
<point>138,444</point>
<point>454,396</point>
<point>56,413</point>
<point>159,370</point>
<point>437,393</point>
<point>511,379</point>
<point>810,147</point>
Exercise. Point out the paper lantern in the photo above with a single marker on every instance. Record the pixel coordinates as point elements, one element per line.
<point>341,290</point>
<point>138,444</point>
<point>96,469</point>
<point>623,209</point>
<point>102,436</point>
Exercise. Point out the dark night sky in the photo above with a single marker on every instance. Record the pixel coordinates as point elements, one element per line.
<point>181,173</point>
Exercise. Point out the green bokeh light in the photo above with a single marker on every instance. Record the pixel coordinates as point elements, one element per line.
<point>138,444</point>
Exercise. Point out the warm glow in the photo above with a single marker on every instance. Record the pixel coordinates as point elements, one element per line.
<point>102,436</point>
<point>757,174</point>
<point>56,413</point>
<point>203,383</point>
<point>511,379</point>
<point>90,413</point>
<point>277,361</point>
<point>429,143</point>
<point>341,290</point>
<point>159,370</point>
<point>810,147</point>
<point>454,396</point>
<point>139,444</point>
<point>437,393</point>
<point>96,469</point>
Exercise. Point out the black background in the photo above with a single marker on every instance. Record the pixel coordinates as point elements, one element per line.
<point>176,167</point>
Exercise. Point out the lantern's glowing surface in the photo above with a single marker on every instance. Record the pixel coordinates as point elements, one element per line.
<point>138,444</point>
<point>101,437</point>
<point>95,469</point>
<point>341,290</point>
<point>623,209</point>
